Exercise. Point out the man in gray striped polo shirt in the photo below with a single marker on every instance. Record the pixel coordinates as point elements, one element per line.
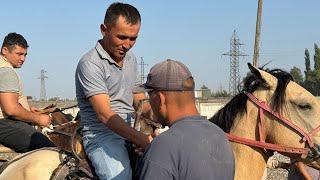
<point>105,77</point>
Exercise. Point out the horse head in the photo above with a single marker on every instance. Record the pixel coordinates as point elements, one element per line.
<point>144,122</point>
<point>271,113</point>
<point>63,129</point>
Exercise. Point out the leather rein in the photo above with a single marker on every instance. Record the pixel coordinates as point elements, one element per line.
<point>310,153</point>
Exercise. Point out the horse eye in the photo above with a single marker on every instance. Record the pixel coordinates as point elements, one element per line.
<point>304,106</point>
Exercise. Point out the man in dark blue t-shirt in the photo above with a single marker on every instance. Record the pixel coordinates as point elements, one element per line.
<point>192,148</point>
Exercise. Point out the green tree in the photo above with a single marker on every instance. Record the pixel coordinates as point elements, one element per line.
<point>307,62</point>
<point>204,87</point>
<point>206,92</point>
<point>312,77</point>
<point>221,93</point>
<point>54,99</point>
<point>297,75</point>
<point>312,83</point>
<point>316,59</point>
<point>309,79</point>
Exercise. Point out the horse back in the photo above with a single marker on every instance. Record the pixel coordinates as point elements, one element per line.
<point>35,165</point>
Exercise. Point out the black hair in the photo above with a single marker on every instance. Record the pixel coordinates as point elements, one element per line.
<point>13,39</point>
<point>130,13</point>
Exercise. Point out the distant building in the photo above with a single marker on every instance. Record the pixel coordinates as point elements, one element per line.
<point>202,93</point>
<point>208,107</point>
<point>206,104</point>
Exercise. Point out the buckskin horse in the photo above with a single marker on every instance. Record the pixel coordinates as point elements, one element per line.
<point>272,113</point>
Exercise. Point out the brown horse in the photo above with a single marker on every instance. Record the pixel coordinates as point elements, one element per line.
<point>61,132</point>
<point>272,113</point>
<point>44,163</point>
<point>145,123</point>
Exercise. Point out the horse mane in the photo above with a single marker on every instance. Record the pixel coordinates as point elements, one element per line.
<point>237,105</point>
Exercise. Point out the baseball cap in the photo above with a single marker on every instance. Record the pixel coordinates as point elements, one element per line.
<point>168,75</point>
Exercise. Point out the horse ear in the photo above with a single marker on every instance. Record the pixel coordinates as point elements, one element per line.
<point>268,80</point>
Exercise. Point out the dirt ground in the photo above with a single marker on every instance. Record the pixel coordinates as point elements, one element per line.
<point>279,173</point>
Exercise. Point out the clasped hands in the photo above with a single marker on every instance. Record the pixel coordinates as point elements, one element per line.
<point>139,150</point>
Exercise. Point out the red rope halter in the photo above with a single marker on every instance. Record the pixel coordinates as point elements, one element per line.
<point>263,106</point>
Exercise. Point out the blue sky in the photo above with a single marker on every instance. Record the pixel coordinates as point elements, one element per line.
<point>195,32</point>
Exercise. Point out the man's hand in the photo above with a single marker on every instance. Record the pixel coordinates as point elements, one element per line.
<point>146,141</point>
<point>140,149</point>
<point>44,120</point>
<point>156,133</point>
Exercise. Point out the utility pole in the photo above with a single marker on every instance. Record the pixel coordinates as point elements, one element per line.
<point>142,65</point>
<point>257,35</point>
<point>42,77</point>
<point>234,55</point>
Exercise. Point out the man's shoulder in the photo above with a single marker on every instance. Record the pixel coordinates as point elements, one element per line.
<point>7,72</point>
<point>211,126</point>
<point>91,56</point>
<point>90,60</point>
<point>161,148</point>
<point>9,81</point>
<point>6,69</point>
<point>167,139</point>
<point>164,136</point>
<point>199,124</point>
<point>193,130</point>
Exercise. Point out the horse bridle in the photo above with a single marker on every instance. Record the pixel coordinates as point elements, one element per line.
<point>54,128</point>
<point>311,154</point>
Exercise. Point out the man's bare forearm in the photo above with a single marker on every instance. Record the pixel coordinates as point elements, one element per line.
<point>119,126</point>
<point>19,113</point>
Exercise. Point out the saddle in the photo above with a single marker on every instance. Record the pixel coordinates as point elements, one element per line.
<point>75,164</point>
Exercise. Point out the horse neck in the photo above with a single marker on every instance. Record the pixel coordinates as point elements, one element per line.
<point>247,159</point>
<point>58,118</point>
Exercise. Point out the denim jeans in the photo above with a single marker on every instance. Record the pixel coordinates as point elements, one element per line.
<point>108,154</point>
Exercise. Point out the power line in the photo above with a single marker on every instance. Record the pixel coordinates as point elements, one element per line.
<point>42,78</point>
<point>142,65</point>
<point>234,55</point>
